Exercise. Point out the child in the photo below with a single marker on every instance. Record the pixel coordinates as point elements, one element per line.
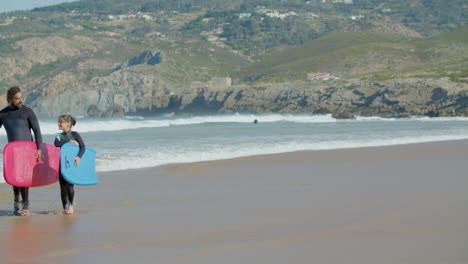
<point>67,192</point>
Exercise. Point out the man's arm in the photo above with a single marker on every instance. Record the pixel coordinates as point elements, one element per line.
<point>2,116</point>
<point>34,125</point>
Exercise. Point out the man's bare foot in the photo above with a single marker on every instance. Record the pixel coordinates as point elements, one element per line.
<point>25,211</point>
<point>16,209</point>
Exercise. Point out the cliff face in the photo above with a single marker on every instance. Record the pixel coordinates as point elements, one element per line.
<point>134,93</point>
<point>399,97</point>
<point>85,80</point>
<point>73,60</point>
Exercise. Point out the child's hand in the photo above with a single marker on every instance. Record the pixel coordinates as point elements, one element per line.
<point>74,141</point>
<point>77,161</point>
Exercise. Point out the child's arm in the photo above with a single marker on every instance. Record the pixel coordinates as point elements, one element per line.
<point>58,142</point>
<point>81,143</point>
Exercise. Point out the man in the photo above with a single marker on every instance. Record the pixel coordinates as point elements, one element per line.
<point>18,121</point>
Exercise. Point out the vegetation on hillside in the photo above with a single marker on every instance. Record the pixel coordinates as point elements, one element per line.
<point>356,54</point>
<point>422,15</point>
<point>251,40</point>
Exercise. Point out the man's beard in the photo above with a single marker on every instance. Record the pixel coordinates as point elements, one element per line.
<point>18,106</point>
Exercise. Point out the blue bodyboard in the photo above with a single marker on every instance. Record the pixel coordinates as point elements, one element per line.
<point>83,174</point>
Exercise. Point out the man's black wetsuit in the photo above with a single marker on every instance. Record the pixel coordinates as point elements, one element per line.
<point>18,124</point>
<point>67,192</point>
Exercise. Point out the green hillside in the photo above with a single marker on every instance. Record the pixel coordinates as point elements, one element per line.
<point>197,60</point>
<point>315,55</point>
<point>342,53</point>
<point>209,38</point>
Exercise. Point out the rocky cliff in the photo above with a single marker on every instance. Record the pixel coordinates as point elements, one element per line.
<point>134,93</point>
<point>396,98</point>
<point>146,84</point>
<point>119,61</point>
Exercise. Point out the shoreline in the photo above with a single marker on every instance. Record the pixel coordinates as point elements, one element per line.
<point>395,204</point>
<point>161,150</point>
<point>298,152</point>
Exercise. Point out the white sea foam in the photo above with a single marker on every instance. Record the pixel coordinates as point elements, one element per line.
<point>192,139</point>
<point>374,118</point>
<point>49,127</point>
<point>154,157</point>
<point>410,119</point>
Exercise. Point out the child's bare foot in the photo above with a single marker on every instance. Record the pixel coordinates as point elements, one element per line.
<point>70,210</point>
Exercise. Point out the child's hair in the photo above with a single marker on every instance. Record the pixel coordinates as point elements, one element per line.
<point>69,119</point>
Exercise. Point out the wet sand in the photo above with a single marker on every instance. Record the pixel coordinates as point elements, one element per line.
<point>396,204</point>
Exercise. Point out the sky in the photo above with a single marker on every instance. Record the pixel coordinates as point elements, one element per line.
<point>13,5</point>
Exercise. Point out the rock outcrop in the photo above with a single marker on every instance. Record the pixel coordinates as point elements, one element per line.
<point>86,85</point>
<point>150,57</point>
<point>133,93</point>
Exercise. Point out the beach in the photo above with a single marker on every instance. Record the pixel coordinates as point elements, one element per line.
<point>390,204</point>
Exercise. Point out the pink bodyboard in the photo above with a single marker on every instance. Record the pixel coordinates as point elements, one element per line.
<point>22,169</point>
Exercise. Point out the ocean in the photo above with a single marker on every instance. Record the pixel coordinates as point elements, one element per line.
<point>137,142</point>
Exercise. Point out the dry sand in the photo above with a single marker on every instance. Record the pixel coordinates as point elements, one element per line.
<point>396,204</point>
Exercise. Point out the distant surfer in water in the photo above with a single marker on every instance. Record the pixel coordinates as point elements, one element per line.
<point>18,121</point>
<point>67,190</point>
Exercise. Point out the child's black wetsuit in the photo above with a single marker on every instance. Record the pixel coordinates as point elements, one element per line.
<point>67,191</point>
